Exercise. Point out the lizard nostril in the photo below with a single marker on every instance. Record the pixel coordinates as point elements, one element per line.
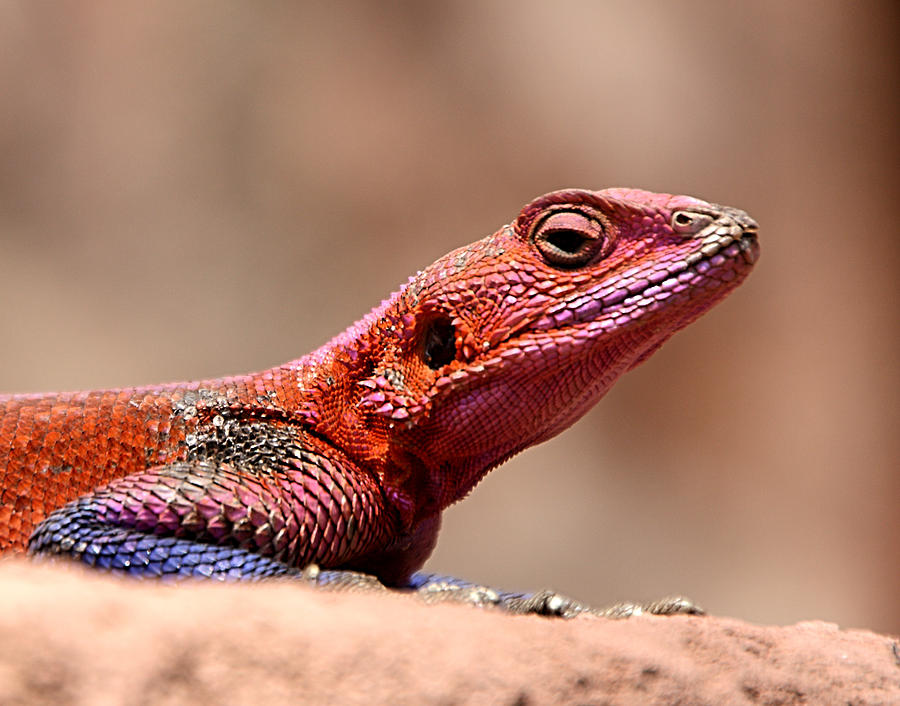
<point>690,222</point>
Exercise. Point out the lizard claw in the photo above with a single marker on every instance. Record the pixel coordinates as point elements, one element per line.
<point>671,605</point>
<point>340,579</point>
<point>546,602</point>
<point>444,589</point>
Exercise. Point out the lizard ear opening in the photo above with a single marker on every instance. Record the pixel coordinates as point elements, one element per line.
<point>438,342</point>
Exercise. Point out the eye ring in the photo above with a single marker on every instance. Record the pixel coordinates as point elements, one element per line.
<point>569,238</point>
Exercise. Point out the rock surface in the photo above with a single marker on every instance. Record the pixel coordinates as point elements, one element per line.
<point>69,637</point>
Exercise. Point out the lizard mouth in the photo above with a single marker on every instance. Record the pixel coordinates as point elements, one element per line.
<point>723,259</point>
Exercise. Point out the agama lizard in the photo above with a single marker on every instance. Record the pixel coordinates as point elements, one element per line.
<point>339,464</point>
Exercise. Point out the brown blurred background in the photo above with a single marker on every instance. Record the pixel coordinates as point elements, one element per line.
<point>194,189</point>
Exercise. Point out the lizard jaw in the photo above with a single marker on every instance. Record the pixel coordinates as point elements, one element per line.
<point>699,269</point>
<point>723,258</point>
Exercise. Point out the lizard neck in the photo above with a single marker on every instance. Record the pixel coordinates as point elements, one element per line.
<point>331,395</point>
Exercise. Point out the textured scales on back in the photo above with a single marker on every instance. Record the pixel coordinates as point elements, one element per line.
<point>346,457</point>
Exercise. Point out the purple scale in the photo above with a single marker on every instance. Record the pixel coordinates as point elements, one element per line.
<point>614,298</point>
<point>246,495</point>
<point>639,285</point>
<point>113,505</point>
<point>375,397</point>
<point>281,540</point>
<point>145,519</point>
<point>218,528</point>
<point>181,507</point>
<point>243,532</point>
<point>154,504</point>
<point>234,513</point>
<point>258,516</point>
<point>168,520</point>
<point>557,307</point>
<point>263,536</point>
<point>632,272</point>
<point>669,284</point>
<point>292,526</point>
<point>564,317</point>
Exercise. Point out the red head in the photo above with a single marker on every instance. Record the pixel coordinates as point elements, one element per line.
<point>506,342</point>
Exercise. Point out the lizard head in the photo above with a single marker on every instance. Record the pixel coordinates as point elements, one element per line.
<point>506,342</point>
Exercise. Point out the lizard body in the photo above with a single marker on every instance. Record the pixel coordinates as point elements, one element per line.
<point>346,457</point>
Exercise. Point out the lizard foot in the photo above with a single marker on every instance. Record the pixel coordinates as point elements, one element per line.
<point>436,589</point>
<point>340,579</point>
<point>445,589</point>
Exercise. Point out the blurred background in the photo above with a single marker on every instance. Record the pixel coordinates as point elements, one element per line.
<point>195,189</point>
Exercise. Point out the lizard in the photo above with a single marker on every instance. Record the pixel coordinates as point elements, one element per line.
<point>335,467</point>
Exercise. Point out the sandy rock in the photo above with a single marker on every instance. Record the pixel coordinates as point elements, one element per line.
<point>67,636</point>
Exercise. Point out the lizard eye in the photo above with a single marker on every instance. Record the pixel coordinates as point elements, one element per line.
<point>439,347</point>
<point>568,238</point>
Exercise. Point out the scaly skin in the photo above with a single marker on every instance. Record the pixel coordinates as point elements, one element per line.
<point>346,457</point>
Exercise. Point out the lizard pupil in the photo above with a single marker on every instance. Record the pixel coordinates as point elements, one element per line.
<point>440,343</point>
<point>568,241</point>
